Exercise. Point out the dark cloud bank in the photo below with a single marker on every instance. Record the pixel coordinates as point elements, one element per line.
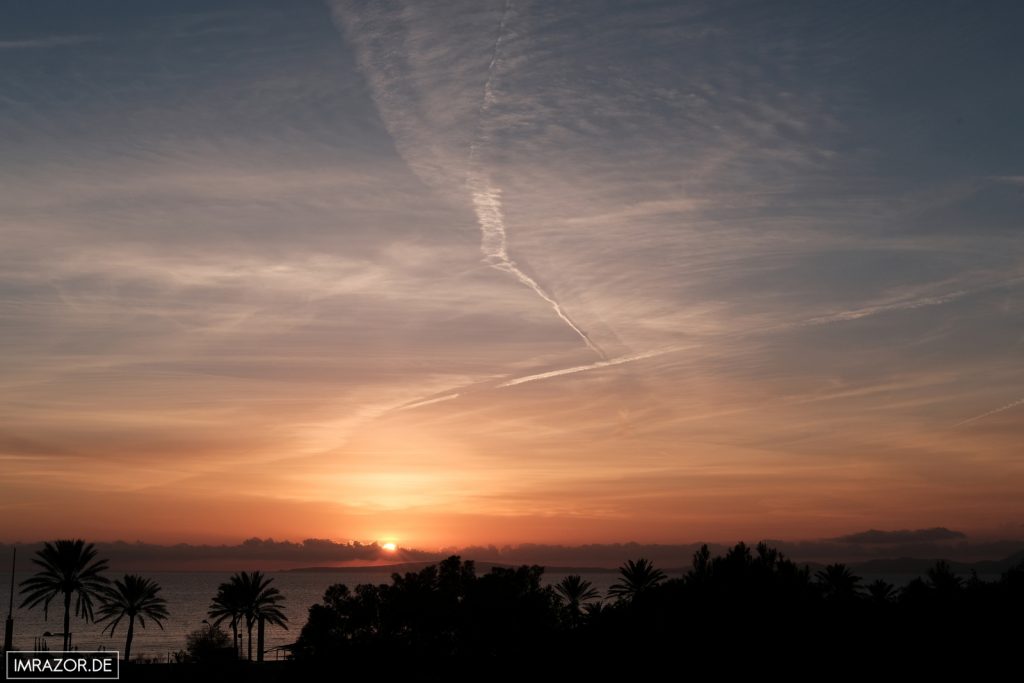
<point>871,547</point>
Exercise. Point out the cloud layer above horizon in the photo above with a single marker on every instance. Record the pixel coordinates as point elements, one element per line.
<point>508,271</point>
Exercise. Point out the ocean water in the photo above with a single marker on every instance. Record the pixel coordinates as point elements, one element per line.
<point>188,596</point>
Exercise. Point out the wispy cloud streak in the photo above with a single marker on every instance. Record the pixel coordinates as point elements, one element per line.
<point>867,311</point>
<point>968,421</point>
<point>427,402</point>
<point>910,304</point>
<point>45,42</point>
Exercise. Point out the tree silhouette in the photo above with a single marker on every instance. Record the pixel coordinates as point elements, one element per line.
<point>264,608</point>
<point>635,578</point>
<point>228,605</point>
<point>943,581</point>
<point>594,610</point>
<point>838,582</point>
<point>881,591</point>
<point>249,596</point>
<point>68,567</point>
<point>576,591</point>
<point>206,644</point>
<point>701,570</point>
<point>444,618</point>
<point>135,598</point>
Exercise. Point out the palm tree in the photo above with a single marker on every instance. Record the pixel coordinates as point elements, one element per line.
<point>942,579</point>
<point>251,597</point>
<point>67,568</point>
<point>575,591</point>
<point>135,598</point>
<point>881,591</point>
<point>838,582</point>
<point>636,578</point>
<point>263,608</point>
<point>229,604</point>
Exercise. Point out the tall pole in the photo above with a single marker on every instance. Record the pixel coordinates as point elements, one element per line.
<point>9,624</point>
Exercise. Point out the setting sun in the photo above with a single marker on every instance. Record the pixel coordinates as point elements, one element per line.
<point>390,547</point>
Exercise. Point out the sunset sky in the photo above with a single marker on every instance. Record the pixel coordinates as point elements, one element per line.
<point>476,271</point>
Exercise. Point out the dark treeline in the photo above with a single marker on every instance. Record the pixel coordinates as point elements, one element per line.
<point>750,609</point>
<point>747,603</point>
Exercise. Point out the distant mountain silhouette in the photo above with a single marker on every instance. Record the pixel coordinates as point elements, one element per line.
<point>917,565</point>
<point>876,536</point>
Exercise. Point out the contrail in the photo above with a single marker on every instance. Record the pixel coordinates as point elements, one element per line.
<point>398,99</point>
<point>583,368</point>
<point>991,412</point>
<point>427,402</point>
<point>910,304</point>
<point>546,375</point>
<point>493,245</point>
<point>885,308</point>
<point>487,202</point>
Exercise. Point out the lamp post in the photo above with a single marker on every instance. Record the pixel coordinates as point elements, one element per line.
<point>9,624</point>
<point>47,634</point>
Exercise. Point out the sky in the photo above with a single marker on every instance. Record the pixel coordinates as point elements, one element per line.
<point>489,272</point>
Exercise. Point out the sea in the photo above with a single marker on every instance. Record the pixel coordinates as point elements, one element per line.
<point>188,596</point>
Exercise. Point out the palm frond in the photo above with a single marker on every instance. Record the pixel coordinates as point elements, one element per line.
<point>67,567</point>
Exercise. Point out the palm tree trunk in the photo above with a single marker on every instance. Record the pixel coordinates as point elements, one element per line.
<point>235,644</point>
<point>128,638</point>
<point>248,625</point>
<point>259,638</point>
<point>67,620</point>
